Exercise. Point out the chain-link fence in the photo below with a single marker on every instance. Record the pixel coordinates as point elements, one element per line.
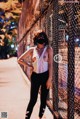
<point>60,19</point>
<point>69,83</point>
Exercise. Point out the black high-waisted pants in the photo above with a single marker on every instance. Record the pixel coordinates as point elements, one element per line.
<point>38,80</point>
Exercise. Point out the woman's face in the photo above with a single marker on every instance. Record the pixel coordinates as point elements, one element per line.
<point>40,45</point>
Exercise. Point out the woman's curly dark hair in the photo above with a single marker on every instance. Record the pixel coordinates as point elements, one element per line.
<point>41,38</point>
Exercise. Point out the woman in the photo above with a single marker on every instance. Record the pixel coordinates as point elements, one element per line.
<point>42,64</point>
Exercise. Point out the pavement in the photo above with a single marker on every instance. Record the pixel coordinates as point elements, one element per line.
<point>15,92</point>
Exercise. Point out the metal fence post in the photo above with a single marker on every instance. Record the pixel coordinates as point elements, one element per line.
<point>71,60</point>
<point>55,50</point>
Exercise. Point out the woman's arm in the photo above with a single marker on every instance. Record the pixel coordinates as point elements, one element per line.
<point>21,59</point>
<point>50,63</point>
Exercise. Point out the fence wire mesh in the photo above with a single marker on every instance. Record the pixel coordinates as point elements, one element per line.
<point>69,82</point>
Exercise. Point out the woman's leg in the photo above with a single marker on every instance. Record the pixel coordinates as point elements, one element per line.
<point>33,96</point>
<point>44,93</point>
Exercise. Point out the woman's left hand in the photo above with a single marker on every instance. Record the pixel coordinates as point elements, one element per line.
<point>48,83</point>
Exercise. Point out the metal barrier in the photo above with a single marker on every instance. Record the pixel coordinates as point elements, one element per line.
<point>69,87</point>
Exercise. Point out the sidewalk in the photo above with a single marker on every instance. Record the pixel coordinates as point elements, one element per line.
<point>15,91</point>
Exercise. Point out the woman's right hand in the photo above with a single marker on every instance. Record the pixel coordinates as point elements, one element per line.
<point>48,83</point>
